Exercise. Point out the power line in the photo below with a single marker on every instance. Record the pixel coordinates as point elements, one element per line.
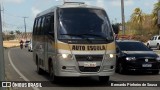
<point>12,15</point>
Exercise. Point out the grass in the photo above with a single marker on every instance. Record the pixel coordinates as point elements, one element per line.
<point>11,43</point>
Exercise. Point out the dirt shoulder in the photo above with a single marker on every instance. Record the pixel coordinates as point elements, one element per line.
<point>10,43</point>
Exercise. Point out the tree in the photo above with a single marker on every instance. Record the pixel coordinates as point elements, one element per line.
<point>137,18</point>
<point>18,32</point>
<point>155,12</point>
<point>11,32</point>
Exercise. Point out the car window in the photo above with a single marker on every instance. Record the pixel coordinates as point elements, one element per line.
<point>27,41</point>
<point>152,38</point>
<point>132,46</point>
<point>159,38</point>
<point>155,38</point>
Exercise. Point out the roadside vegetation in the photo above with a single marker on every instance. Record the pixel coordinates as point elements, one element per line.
<point>143,26</point>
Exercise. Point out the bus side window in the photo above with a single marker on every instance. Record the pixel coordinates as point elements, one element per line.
<point>52,23</point>
<point>47,25</point>
<point>39,26</point>
<point>35,27</point>
<point>42,26</point>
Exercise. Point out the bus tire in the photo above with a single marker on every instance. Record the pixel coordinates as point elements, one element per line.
<point>39,70</point>
<point>148,45</point>
<point>54,78</point>
<point>104,79</point>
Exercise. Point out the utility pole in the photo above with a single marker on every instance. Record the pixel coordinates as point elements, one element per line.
<point>3,23</point>
<point>25,35</point>
<point>123,18</point>
<point>2,67</point>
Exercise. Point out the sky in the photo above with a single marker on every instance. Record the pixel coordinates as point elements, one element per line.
<point>13,11</point>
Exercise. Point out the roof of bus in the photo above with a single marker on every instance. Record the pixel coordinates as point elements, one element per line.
<point>67,6</point>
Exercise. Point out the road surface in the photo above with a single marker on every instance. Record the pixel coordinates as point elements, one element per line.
<point>19,66</point>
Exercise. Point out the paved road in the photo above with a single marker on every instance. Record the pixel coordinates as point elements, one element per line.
<point>20,67</point>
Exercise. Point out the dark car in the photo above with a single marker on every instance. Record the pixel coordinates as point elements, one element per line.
<point>135,56</point>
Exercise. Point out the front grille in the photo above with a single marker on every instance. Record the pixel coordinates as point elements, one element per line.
<point>89,57</point>
<point>89,69</point>
<point>143,60</point>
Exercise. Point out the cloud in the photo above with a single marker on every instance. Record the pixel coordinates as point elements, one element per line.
<point>147,4</point>
<point>35,11</point>
<point>100,3</point>
<point>118,3</point>
<point>12,1</point>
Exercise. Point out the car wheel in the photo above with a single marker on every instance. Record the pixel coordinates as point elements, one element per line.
<point>158,47</point>
<point>148,45</point>
<point>155,72</point>
<point>120,68</point>
<point>104,79</point>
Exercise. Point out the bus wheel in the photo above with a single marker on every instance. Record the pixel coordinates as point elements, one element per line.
<point>104,79</point>
<point>52,76</point>
<point>39,70</point>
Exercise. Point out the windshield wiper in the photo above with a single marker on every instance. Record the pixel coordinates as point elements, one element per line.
<point>78,35</point>
<point>100,36</point>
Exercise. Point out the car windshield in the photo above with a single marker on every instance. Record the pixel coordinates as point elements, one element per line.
<point>81,23</point>
<point>27,41</point>
<point>132,46</point>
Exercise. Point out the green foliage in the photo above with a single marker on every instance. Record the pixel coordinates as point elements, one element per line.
<point>137,16</point>
<point>155,12</point>
<point>137,19</point>
<point>143,26</point>
<point>11,32</point>
<point>18,32</point>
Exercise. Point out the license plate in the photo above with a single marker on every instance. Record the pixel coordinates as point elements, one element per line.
<point>90,64</point>
<point>146,65</point>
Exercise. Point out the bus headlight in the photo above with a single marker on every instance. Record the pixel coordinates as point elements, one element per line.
<point>111,55</point>
<point>66,56</point>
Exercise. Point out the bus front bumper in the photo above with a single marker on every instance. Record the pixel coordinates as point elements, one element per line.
<point>72,72</point>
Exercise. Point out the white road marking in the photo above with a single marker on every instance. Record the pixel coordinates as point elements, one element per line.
<point>14,67</point>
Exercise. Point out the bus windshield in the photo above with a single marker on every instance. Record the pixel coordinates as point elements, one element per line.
<point>80,23</point>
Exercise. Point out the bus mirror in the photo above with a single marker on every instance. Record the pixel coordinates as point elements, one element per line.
<point>115,28</point>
